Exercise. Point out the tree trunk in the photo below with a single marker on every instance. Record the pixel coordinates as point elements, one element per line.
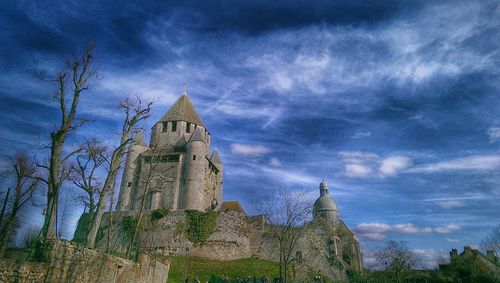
<point>103,196</point>
<point>49,226</point>
<point>7,229</point>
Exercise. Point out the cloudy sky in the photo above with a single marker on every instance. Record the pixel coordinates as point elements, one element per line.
<point>394,103</point>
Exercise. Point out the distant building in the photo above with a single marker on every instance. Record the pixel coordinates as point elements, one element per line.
<point>472,263</point>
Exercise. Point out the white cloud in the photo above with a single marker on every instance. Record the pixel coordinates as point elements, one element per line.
<point>410,229</point>
<point>275,162</point>
<point>452,240</point>
<point>378,231</point>
<point>372,228</point>
<point>358,171</point>
<point>278,174</point>
<point>470,163</point>
<point>447,229</point>
<point>494,134</point>
<point>359,164</point>
<point>361,135</point>
<point>249,150</point>
<point>451,203</point>
<point>393,165</point>
<point>358,156</point>
<point>372,231</point>
<point>430,258</point>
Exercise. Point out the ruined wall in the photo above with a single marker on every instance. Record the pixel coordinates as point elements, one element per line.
<point>229,239</point>
<point>235,236</point>
<point>64,261</point>
<point>313,246</point>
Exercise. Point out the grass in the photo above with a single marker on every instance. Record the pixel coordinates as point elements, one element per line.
<point>204,268</point>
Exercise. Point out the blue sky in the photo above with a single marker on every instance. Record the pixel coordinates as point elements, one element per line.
<point>395,104</point>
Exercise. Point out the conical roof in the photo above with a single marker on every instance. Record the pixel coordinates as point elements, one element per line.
<point>215,157</point>
<point>197,135</point>
<point>182,110</point>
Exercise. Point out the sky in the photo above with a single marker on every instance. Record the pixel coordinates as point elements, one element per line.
<point>394,103</point>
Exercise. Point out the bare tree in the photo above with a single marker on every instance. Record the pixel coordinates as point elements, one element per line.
<point>287,214</point>
<point>73,82</point>
<point>25,183</point>
<point>492,241</point>
<point>88,164</point>
<point>135,111</point>
<point>396,259</point>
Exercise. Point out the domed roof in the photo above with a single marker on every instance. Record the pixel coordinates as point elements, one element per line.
<point>325,203</point>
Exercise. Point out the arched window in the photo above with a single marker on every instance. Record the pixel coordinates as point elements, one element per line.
<point>194,157</point>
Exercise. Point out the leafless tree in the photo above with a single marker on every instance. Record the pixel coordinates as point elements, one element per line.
<point>25,182</point>
<point>287,216</point>
<point>72,82</point>
<point>492,241</point>
<point>89,162</point>
<point>135,110</point>
<point>396,259</point>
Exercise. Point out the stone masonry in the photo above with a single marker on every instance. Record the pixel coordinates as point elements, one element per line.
<point>63,261</point>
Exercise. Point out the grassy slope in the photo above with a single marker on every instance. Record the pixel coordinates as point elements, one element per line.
<point>203,268</point>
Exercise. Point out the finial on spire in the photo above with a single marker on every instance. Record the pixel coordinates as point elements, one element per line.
<point>184,88</point>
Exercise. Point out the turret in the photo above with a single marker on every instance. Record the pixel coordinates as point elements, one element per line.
<point>195,164</point>
<point>130,173</point>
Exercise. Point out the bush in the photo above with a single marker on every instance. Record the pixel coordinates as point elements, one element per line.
<point>158,214</point>
<point>200,225</point>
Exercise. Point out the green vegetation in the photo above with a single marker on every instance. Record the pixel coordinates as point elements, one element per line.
<point>129,223</point>
<point>205,268</point>
<point>158,214</point>
<point>200,225</point>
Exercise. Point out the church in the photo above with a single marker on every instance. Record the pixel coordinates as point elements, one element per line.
<point>178,172</point>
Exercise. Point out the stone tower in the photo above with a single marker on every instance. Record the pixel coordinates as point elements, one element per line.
<point>176,170</point>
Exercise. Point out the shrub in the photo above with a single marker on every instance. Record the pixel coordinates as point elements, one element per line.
<point>200,225</point>
<point>158,214</point>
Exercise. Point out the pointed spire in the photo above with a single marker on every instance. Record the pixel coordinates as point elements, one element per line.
<point>197,135</point>
<point>215,157</point>
<point>182,110</point>
<point>139,139</point>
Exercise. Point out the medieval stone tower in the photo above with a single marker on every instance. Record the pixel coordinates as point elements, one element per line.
<point>176,171</point>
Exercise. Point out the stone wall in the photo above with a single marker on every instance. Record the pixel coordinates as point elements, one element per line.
<point>235,236</point>
<point>228,241</point>
<point>64,261</point>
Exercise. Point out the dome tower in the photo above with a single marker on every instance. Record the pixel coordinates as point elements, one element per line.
<point>325,207</point>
